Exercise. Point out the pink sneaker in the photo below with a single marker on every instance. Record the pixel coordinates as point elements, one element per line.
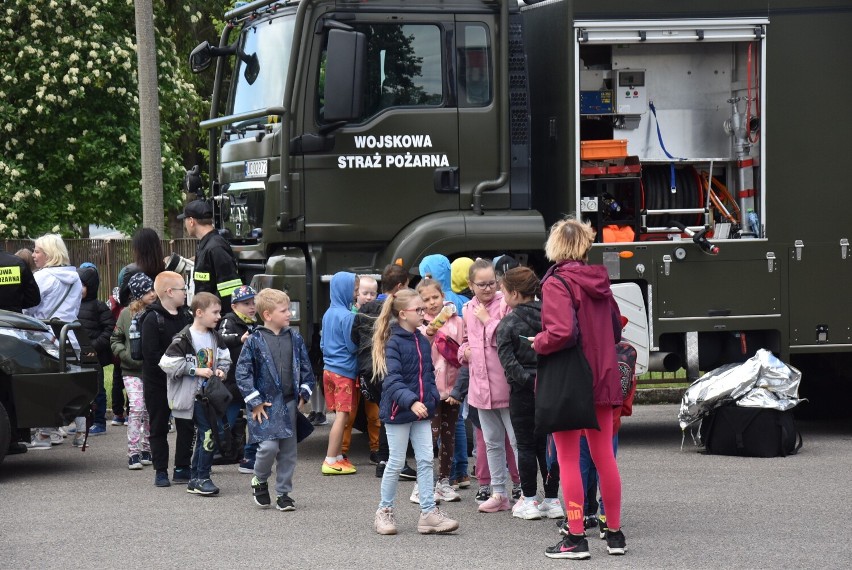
<point>495,503</point>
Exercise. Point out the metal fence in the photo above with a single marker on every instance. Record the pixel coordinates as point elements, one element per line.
<point>109,255</point>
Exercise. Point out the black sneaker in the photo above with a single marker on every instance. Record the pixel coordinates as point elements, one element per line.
<point>517,492</point>
<point>15,448</point>
<point>573,546</point>
<point>380,469</point>
<point>602,528</point>
<point>590,521</point>
<point>374,458</point>
<point>161,478</point>
<point>615,542</point>
<point>181,475</point>
<point>483,493</point>
<point>563,527</point>
<point>312,416</point>
<point>285,503</point>
<point>407,474</point>
<point>203,487</point>
<point>260,490</point>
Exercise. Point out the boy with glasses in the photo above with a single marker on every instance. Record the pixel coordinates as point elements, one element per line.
<point>164,319</point>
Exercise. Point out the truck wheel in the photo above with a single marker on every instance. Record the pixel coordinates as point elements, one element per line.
<point>5,432</point>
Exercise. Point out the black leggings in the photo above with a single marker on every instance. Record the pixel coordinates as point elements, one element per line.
<point>532,449</point>
<point>157,404</point>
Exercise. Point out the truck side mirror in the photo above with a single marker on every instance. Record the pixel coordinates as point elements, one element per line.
<point>345,75</point>
<point>252,67</point>
<point>200,58</point>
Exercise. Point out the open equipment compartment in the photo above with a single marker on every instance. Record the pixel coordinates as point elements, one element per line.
<point>688,96</point>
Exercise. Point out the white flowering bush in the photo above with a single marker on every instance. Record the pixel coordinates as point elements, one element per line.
<point>69,112</point>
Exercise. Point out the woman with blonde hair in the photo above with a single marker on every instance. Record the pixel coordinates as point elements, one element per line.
<point>578,310</point>
<point>61,295</point>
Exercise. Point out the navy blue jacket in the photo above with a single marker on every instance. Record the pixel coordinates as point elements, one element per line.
<point>410,377</point>
<point>258,381</point>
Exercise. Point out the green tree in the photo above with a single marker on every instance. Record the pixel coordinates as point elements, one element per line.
<point>69,112</point>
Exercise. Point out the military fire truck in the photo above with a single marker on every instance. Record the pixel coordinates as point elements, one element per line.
<point>706,142</point>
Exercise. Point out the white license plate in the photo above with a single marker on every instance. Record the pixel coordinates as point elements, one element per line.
<point>257,168</point>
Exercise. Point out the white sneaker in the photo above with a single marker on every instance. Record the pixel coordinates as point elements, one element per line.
<point>551,509</point>
<point>415,495</point>
<point>445,492</point>
<point>62,431</point>
<point>39,442</point>
<point>527,509</point>
<point>56,437</point>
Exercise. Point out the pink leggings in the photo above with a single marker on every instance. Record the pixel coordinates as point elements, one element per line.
<point>600,446</point>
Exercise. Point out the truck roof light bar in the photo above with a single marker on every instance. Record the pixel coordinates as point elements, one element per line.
<point>647,31</point>
<point>249,8</point>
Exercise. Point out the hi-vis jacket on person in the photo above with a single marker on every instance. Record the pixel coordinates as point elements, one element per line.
<point>18,288</point>
<point>216,269</point>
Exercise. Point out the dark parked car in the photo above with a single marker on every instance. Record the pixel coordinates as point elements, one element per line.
<point>38,388</point>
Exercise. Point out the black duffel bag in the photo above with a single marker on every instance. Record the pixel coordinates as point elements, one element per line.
<point>750,432</point>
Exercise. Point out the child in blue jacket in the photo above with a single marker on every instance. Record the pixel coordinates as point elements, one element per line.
<point>403,358</point>
<point>274,376</point>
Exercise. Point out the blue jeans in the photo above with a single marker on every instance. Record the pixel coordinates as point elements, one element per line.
<point>233,411</point>
<point>202,455</point>
<point>589,476</point>
<point>420,434</point>
<point>460,466</point>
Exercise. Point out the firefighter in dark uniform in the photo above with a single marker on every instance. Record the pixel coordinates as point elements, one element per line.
<point>18,287</point>
<point>215,265</point>
<point>18,290</point>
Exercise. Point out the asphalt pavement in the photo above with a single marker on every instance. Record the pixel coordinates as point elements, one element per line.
<point>63,508</point>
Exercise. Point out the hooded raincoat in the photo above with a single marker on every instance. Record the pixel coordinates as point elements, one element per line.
<point>589,311</point>
<point>339,352</point>
<point>259,381</point>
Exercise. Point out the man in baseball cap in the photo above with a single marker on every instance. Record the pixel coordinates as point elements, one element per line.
<point>197,209</point>
<point>216,268</point>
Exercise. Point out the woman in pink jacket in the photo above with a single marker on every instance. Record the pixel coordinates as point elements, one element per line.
<point>489,390</point>
<point>587,309</point>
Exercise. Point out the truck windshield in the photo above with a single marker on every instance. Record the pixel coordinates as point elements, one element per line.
<point>271,40</point>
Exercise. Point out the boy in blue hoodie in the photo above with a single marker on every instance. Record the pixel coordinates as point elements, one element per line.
<point>339,354</point>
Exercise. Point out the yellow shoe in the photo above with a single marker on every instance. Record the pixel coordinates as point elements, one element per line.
<point>348,464</point>
<point>337,468</point>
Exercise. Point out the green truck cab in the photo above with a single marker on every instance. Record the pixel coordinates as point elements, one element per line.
<point>345,135</point>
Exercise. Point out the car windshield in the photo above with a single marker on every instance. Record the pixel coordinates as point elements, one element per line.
<point>271,40</point>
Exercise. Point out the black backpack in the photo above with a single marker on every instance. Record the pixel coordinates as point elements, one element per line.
<point>138,319</point>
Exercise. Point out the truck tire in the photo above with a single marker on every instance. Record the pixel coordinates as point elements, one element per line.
<point>5,432</point>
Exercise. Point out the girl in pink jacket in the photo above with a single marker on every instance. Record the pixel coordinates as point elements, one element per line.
<point>443,326</point>
<point>489,390</point>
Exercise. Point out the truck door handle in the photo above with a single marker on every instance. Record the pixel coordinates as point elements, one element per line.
<point>447,180</point>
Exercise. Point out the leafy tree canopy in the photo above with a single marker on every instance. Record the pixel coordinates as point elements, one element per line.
<point>69,111</point>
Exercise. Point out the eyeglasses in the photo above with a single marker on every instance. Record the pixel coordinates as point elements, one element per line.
<point>419,310</point>
<point>486,284</point>
<point>184,288</point>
